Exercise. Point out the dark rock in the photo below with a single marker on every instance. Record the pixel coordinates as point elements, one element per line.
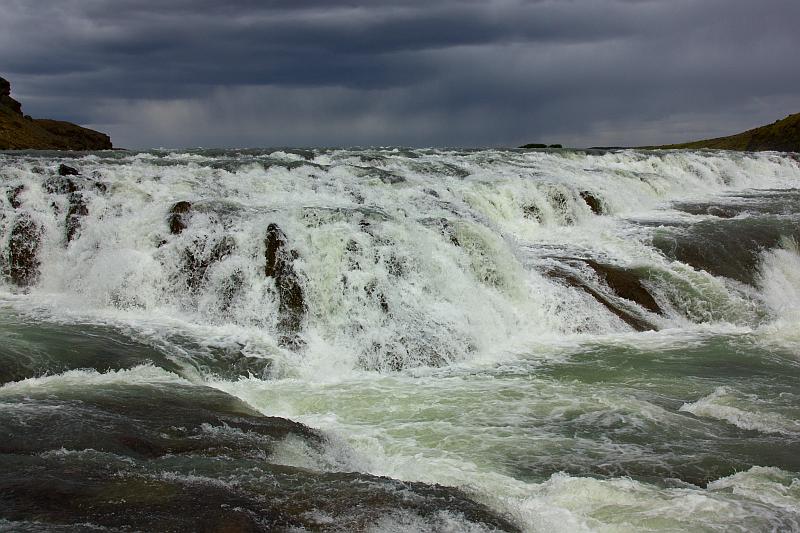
<point>188,458</point>
<point>534,145</point>
<point>13,196</point>
<point>444,227</point>
<point>60,185</point>
<point>532,212</point>
<point>594,203</point>
<point>178,217</point>
<point>555,146</point>
<point>5,98</point>
<point>200,258</point>
<point>22,265</point>
<point>77,210</point>
<point>64,170</point>
<point>291,301</point>
<point>626,284</point>
<point>623,283</point>
<point>101,187</point>
<point>230,288</point>
<point>371,290</point>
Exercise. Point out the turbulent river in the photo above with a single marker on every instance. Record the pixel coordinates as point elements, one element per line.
<point>394,340</point>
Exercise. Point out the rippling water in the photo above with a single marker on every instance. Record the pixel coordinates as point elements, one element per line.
<point>400,340</point>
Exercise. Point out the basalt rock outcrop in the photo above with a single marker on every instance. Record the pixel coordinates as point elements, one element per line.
<point>279,265</point>
<point>21,132</point>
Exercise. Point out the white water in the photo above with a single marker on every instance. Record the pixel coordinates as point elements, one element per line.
<point>482,310</point>
<point>446,303</point>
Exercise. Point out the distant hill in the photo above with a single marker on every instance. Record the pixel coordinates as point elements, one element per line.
<point>20,132</point>
<point>782,136</point>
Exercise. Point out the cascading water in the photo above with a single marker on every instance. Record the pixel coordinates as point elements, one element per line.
<point>576,340</point>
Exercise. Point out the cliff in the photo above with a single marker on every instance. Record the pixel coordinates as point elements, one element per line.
<point>782,136</point>
<point>20,132</point>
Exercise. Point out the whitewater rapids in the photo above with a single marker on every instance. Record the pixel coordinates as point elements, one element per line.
<point>578,341</point>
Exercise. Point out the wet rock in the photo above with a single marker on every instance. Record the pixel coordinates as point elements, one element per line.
<point>230,288</point>
<point>179,217</point>
<point>279,265</point>
<point>77,210</point>
<point>22,264</point>
<point>189,458</point>
<point>60,185</point>
<point>532,212</point>
<point>623,283</point>
<point>445,228</point>
<point>199,258</point>
<point>64,170</point>
<point>13,196</point>
<point>727,247</point>
<point>626,284</point>
<point>594,203</point>
<point>372,290</point>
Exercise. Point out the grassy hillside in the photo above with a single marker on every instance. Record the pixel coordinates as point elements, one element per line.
<point>19,132</point>
<point>782,135</point>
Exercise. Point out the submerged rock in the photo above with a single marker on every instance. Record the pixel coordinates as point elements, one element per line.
<point>22,264</point>
<point>140,456</point>
<point>279,265</point>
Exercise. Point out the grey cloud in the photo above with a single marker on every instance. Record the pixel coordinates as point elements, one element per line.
<point>404,72</point>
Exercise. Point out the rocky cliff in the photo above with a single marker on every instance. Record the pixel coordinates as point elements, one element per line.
<point>20,132</point>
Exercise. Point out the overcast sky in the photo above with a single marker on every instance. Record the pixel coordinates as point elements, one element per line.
<point>179,73</point>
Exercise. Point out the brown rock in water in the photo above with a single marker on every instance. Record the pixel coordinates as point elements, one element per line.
<point>623,283</point>
<point>64,170</point>
<point>13,196</point>
<point>60,185</point>
<point>594,203</point>
<point>199,260</point>
<point>178,217</point>
<point>22,264</point>
<point>20,132</point>
<point>291,301</point>
<point>626,284</point>
<point>77,210</point>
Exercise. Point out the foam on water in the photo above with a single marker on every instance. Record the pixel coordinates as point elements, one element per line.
<point>77,379</point>
<point>433,321</point>
<point>405,258</point>
<point>746,413</point>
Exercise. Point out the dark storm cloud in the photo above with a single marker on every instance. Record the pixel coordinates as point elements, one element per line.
<point>404,72</point>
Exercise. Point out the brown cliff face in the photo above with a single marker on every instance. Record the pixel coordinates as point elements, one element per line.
<point>20,132</point>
